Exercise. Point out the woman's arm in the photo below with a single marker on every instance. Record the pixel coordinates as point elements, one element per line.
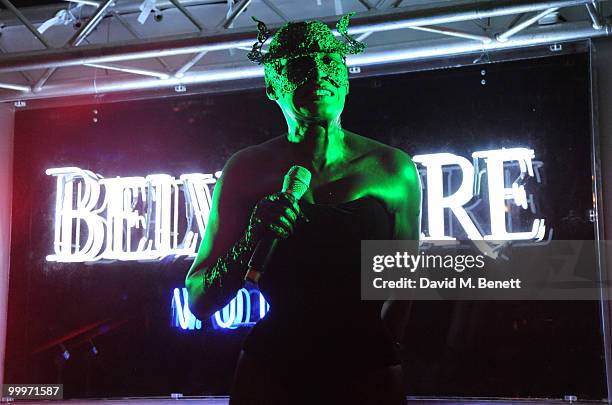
<point>215,275</point>
<point>236,223</point>
<point>407,220</point>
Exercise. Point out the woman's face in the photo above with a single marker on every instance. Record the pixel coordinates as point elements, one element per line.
<point>312,86</point>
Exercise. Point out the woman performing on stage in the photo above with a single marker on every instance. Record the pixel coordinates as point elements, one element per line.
<point>319,342</point>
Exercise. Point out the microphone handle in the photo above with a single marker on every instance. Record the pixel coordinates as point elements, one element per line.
<point>264,250</point>
<point>295,183</point>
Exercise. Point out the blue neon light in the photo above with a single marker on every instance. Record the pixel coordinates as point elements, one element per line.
<point>182,317</point>
<point>237,313</point>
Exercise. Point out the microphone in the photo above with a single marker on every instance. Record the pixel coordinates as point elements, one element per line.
<point>296,182</point>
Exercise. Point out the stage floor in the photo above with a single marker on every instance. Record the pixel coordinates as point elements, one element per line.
<point>411,401</point>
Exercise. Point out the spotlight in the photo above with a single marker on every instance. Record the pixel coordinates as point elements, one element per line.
<point>62,17</point>
<point>551,18</point>
<point>180,88</point>
<point>146,8</point>
<point>556,47</point>
<point>19,104</point>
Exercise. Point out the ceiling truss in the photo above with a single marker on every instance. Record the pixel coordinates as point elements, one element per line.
<point>139,60</point>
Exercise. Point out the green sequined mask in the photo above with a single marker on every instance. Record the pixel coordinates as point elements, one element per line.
<point>297,50</point>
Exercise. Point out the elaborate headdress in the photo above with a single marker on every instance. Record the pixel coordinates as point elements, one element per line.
<point>297,39</point>
<point>301,38</point>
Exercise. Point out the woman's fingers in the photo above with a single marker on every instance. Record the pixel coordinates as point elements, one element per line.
<point>282,209</point>
<point>295,208</point>
<point>290,215</point>
<point>287,225</point>
<point>282,219</point>
<point>278,213</point>
<point>287,200</point>
<point>278,231</point>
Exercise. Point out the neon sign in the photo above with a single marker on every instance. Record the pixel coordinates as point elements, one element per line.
<point>130,218</point>
<point>152,217</point>
<point>182,317</point>
<point>499,166</point>
<point>245,309</point>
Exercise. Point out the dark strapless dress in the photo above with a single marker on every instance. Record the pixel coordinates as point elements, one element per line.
<point>317,322</point>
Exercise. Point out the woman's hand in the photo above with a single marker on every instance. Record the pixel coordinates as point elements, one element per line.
<point>275,215</point>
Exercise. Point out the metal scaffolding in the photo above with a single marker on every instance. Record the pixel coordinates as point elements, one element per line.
<point>439,21</point>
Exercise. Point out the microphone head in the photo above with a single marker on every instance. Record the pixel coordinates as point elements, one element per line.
<point>297,181</point>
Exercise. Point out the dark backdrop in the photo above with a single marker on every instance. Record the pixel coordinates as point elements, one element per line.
<point>510,349</point>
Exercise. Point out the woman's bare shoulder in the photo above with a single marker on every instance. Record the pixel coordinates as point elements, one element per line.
<point>386,155</point>
<point>254,155</point>
<point>395,174</point>
<point>249,171</point>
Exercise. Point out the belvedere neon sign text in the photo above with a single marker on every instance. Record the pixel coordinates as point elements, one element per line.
<point>152,217</point>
